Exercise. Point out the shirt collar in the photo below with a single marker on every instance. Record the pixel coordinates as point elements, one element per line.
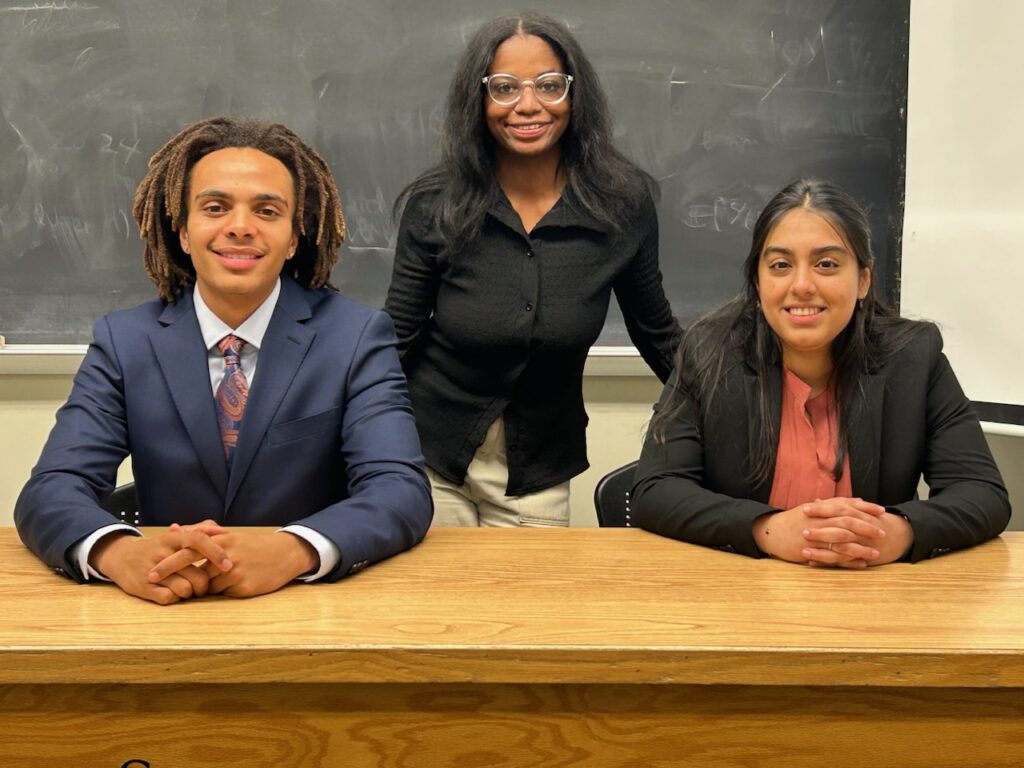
<point>565,213</point>
<point>801,391</point>
<point>251,331</point>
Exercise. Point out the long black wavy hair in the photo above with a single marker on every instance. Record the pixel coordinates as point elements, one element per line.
<point>601,180</point>
<point>874,333</point>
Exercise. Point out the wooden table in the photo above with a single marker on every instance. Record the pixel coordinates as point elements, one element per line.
<point>527,648</point>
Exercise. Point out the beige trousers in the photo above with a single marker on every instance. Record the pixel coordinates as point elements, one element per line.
<point>481,499</point>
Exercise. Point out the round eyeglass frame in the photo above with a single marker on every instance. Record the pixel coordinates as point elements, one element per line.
<point>523,83</point>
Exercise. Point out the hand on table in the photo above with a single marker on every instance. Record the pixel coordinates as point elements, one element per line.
<point>841,532</point>
<point>264,562</point>
<point>161,568</point>
<point>896,539</point>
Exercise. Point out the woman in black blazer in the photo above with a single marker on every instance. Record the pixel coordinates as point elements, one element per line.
<point>720,448</point>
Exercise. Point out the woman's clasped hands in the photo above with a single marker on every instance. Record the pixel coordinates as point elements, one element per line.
<point>839,532</point>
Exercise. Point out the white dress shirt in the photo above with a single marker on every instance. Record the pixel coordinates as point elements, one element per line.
<point>213,329</point>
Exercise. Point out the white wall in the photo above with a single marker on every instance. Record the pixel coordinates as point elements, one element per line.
<point>27,408</point>
<point>963,233</point>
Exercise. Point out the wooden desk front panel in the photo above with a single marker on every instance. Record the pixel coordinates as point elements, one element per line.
<point>512,726</point>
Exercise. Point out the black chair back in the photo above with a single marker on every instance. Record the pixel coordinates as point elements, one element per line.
<point>122,504</point>
<point>611,497</point>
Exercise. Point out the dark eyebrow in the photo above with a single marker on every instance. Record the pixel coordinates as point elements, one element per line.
<point>211,193</point>
<point>814,251</point>
<point>828,249</point>
<point>272,198</point>
<point>266,196</point>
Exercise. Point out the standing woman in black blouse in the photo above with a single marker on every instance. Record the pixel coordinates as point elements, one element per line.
<point>508,251</point>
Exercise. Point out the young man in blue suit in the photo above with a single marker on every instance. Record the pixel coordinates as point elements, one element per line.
<point>250,394</point>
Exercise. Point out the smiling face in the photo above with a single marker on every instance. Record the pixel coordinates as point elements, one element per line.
<point>528,127</point>
<point>239,232</point>
<point>809,283</point>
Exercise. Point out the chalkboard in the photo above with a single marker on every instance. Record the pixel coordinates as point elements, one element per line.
<point>724,101</point>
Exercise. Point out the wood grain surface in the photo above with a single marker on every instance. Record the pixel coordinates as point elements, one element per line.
<point>541,606</point>
<point>527,647</point>
<point>512,726</point>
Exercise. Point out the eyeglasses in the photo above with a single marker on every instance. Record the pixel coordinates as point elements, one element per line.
<point>549,88</point>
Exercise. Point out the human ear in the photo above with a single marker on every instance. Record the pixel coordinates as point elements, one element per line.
<point>865,283</point>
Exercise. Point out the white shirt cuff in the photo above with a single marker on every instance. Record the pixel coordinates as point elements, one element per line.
<point>80,552</point>
<point>325,548</point>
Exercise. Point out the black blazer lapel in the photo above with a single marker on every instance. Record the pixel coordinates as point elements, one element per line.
<point>864,437</point>
<point>285,345</point>
<point>178,347</point>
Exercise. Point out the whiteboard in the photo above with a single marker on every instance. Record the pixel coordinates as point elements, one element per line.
<point>963,229</point>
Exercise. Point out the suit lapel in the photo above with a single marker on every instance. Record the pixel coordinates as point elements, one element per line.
<point>864,438</point>
<point>285,345</point>
<point>763,490</point>
<point>179,350</point>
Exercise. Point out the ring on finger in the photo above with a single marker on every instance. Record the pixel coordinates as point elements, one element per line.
<point>830,546</point>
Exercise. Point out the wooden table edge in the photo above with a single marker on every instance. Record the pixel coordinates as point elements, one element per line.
<point>515,665</point>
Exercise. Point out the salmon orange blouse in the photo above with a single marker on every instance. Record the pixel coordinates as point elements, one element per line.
<point>807,447</point>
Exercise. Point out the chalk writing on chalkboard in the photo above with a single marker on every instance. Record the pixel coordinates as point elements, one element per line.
<point>724,101</point>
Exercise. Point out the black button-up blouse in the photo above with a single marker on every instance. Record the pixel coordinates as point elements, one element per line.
<point>505,325</point>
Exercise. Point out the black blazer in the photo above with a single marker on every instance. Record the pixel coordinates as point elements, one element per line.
<point>918,422</point>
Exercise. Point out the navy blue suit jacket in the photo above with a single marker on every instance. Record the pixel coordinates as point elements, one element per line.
<point>328,439</point>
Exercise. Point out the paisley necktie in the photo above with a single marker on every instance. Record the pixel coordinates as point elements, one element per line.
<point>231,395</point>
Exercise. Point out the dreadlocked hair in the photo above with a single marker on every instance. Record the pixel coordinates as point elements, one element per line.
<point>161,200</point>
